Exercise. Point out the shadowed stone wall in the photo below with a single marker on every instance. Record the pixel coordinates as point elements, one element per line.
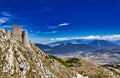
<point>25,40</point>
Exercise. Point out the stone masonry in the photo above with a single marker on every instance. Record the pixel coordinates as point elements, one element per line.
<point>25,38</point>
<point>16,33</point>
<point>19,35</point>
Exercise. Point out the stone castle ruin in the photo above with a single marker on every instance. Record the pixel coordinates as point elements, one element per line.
<point>18,35</point>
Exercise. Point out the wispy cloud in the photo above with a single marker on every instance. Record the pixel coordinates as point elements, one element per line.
<point>5,17</point>
<point>106,37</point>
<point>64,24</point>
<point>5,13</point>
<point>57,26</point>
<point>38,32</point>
<point>59,39</point>
<point>52,32</point>
<point>3,20</point>
<point>43,32</point>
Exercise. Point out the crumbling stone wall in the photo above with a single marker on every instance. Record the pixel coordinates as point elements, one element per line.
<point>16,33</point>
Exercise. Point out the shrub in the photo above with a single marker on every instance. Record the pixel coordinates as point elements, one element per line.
<point>59,60</point>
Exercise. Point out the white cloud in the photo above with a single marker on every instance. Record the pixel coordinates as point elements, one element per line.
<point>5,16</point>
<point>6,13</point>
<point>63,24</point>
<point>52,32</point>
<point>3,20</point>
<point>57,26</point>
<point>59,39</point>
<point>106,37</point>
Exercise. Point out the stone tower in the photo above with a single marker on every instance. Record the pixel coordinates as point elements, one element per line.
<point>25,40</point>
<point>19,35</point>
<point>16,33</point>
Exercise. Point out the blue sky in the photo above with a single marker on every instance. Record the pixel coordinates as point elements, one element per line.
<point>48,20</point>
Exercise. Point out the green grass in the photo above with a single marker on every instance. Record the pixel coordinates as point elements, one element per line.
<point>73,62</point>
<point>59,60</point>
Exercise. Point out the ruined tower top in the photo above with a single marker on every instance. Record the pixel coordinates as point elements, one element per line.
<point>16,29</point>
<point>16,33</point>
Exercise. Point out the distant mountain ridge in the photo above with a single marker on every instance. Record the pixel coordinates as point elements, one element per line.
<point>70,48</point>
<point>66,48</point>
<point>111,50</point>
<point>82,41</point>
<point>73,41</point>
<point>102,44</point>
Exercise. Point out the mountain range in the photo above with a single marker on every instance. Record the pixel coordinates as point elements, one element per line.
<point>73,41</point>
<point>70,48</point>
<point>100,51</point>
<point>81,41</point>
<point>66,47</point>
<point>102,44</point>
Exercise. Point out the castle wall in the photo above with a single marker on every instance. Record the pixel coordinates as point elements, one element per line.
<point>16,33</point>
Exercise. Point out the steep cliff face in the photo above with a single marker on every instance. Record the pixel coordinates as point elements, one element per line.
<point>18,61</point>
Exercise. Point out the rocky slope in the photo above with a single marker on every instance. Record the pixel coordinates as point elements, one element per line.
<point>18,61</point>
<point>93,70</point>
